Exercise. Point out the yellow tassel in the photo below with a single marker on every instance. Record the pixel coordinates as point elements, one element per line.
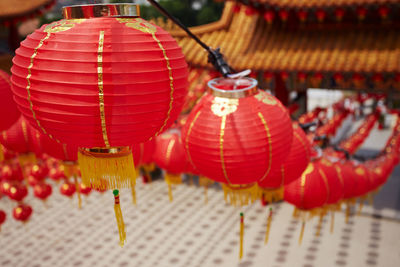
<point>371,199</point>
<point>361,205</point>
<point>204,181</point>
<point>240,195</point>
<point>241,235</point>
<point>321,217</point>
<point>1,153</point>
<point>172,179</point>
<point>272,195</point>
<point>268,226</point>
<point>302,232</point>
<point>332,221</point>
<point>119,218</point>
<point>347,212</point>
<point>133,191</point>
<point>78,192</point>
<point>26,158</point>
<point>107,168</point>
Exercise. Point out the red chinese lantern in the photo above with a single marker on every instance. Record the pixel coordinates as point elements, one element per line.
<point>321,15</point>
<point>361,12</point>
<point>383,12</point>
<point>143,152</point>
<point>170,156</point>
<point>283,15</point>
<point>110,68</point>
<point>42,191</point>
<point>101,79</point>
<point>308,193</point>
<point>22,212</point>
<point>67,189</point>
<point>302,15</point>
<point>339,14</point>
<point>335,181</point>
<point>296,162</point>
<point>302,77</point>
<point>85,190</point>
<point>250,11</point>
<point>236,135</point>
<point>17,192</point>
<point>3,217</point>
<point>269,16</point>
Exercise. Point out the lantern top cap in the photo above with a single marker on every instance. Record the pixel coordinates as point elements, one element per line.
<point>233,88</point>
<point>118,10</point>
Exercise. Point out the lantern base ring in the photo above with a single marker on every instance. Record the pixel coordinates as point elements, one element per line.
<point>107,168</point>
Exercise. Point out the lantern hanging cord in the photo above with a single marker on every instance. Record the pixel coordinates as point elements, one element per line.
<point>215,57</point>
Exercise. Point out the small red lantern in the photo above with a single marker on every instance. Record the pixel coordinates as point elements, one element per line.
<point>236,8</point>
<point>269,16</point>
<point>302,15</point>
<point>42,191</point>
<point>18,192</point>
<point>39,171</point>
<point>361,13</point>
<point>283,15</point>
<point>383,12</point>
<point>8,108</point>
<point>67,189</point>
<point>85,190</point>
<point>321,15</point>
<point>237,134</point>
<point>250,11</point>
<point>301,77</point>
<point>22,212</point>
<point>339,14</point>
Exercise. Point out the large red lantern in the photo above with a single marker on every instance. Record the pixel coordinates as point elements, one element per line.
<point>8,108</point>
<point>101,79</point>
<point>237,134</point>
<point>294,165</point>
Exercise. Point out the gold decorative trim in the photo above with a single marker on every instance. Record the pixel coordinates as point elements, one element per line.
<point>321,172</point>
<point>25,131</point>
<point>187,137</point>
<point>266,98</point>
<point>264,122</point>
<point>222,106</point>
<point>309,169</point>
<point>169,150</point>
<point>28,86</point>
<point>221,147</point>
<point>339,172</point>
<point>101,88</point>
<point>296,135</point>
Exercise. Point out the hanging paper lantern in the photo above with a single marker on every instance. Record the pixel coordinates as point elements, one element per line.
<point>85,190</point>
<point>250,11</point>
<point>22,212</point>
<point>334,179</point>
<point>170,156</point>
<point>321,15</point>
<point>67,189</point>
<point>296,162</point>
<point>283,15</point>
<point>100,79</point>
<point>8,108</point>
<point>269,16</point>
<point>383,12</point>
<point>361,13</point>
<point>302,15</point>
<point>17,192</point>
<point>42,191</point>
<point>339,14</point>
<point>308,193</point>
<point>18,137</point>
<point>236,135</point>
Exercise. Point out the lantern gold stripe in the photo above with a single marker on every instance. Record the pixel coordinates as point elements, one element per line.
<point>296,135</point>
<point>169,150</point>
<point>221,147</point>
<point>187,137</point>
<point>171,82</point>
<point>339,172</point>
<point>302,184</point>
<point>326,184</point>
<point>101,88</point>
<point>25,131</point>
<point>28,86</point>
<point>264,122</point>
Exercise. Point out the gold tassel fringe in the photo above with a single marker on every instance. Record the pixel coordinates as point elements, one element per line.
<point>303,224</point>
<point>119,218</point>
<point>241,235</point>
<point>26,158</point>
<point>240,195</point>
<point>268,226</point>
<point>332,221</point>
<point>107,168</point>
<point>172,179</point>
<point>205,182</point>
<point>271,195</point>
<point>78,192</point>
<point>321,218</point>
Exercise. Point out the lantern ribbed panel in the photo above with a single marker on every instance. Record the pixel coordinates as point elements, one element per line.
<point>334,178</point>
<point>295,163</point>
<point>18,137</point>
<point>169,153</point>
<point>349,181</point>
<point>8,109</point>
<point>143,77</point>
<point>309,191</point>
<point>143,152</point>
<point>363,182</point>
<point>237,141</point>
<point>43,144</point>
